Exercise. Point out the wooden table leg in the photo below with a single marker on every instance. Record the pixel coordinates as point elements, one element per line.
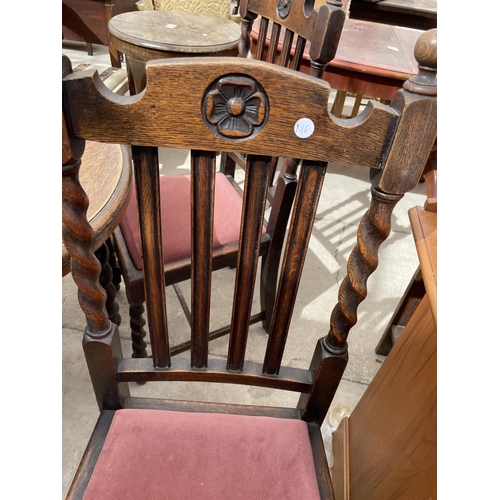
<point>136,71</point>
<point>116,57</point>
<point>407,306</point>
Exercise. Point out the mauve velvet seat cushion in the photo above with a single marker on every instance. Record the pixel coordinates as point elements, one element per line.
<point>159,455</point>
<point>176,218</point>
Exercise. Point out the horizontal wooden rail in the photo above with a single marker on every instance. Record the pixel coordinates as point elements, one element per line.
<point>209,407</point>
<point>142,370</point>
<point>141,119</point>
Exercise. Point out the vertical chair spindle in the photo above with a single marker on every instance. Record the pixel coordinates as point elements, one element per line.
<point>308,193</point>
<point>252,218</point>
<point>298,53</point>
<point>273,44</point>
<point>286,48</point>
<point>147,176</point>
<point>202,222</point>
<point>261,40</point>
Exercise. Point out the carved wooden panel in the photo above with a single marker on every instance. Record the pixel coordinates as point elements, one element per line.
<point>235,107</point>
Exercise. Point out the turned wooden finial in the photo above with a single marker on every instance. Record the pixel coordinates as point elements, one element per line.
<point>425,82</point>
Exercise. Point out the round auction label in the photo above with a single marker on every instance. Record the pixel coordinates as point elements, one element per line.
<point>304,128</point>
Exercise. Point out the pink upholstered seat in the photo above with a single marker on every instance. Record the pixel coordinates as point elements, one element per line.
<point>160,455</point>
<point>175,218</point>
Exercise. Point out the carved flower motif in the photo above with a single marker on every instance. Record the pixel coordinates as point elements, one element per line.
<point>235,107</point>
<point>283,8</point>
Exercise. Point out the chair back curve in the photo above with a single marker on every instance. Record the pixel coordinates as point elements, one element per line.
<point>262,110</point>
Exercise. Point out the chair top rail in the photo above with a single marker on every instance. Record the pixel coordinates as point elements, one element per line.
<point>298,16</point>
<point>238,99</point>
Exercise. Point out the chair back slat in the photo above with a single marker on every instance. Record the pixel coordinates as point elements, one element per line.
<point>252,218</point>
<point>300,46</point>
<point>273,43</point>
<point>202,221</point>
<point>261,40</point>
<point>147,178</point>
<point>286,48</point>
<point>301,224</point>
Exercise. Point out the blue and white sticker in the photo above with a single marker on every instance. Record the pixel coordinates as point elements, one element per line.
<point>304,128</point>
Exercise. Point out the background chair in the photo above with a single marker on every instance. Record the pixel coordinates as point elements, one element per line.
<point>323,28</point>
<point>301,25</point>
<point>221,8</point>
<point>210,450</point>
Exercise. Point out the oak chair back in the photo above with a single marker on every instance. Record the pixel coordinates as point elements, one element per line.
<point>262,110</point>
<point>297,22</point>
<point>284,28</point>
<point>324,27</point>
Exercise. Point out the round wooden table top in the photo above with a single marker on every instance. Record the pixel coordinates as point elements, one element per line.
<point>157,32</point>
<point>106,177</point>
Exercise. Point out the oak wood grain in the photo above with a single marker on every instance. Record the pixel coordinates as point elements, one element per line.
<point>424,228</point>
<point>341,469</point>
<point>252,218</point>
<point>151,110</point>
<point>252,107</point>
<point>148,207</point>
<point>202,227</point>
<point>393,429</point>
<point>301,226</point>
<point>142,369</point>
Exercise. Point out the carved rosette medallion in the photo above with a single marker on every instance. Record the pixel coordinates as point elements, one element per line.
<point>235,107</point>
<point>283,7</point>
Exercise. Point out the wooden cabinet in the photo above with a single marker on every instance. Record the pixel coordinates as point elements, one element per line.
<point>87,20</point>
<point>387,448</point>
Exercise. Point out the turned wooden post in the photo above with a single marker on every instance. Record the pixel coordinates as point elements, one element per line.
<point>247,19</point>
<point>101,342</point>
<point>416,131</point>
<point>329,28</point>
<point>106,281</point>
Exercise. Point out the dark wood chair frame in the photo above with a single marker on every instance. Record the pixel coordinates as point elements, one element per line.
<point>393,141</point>
<point>302,24</point>
<point>322,27</point>
<point>415,290</point>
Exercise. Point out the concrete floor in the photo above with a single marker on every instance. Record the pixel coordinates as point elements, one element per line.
<point>344,200</point>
